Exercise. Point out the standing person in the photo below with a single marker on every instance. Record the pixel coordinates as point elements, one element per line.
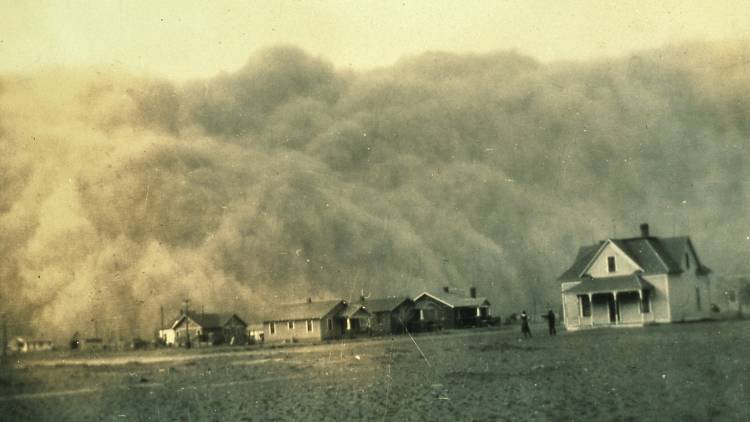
<point>525,325</point>
<point>551,322</point>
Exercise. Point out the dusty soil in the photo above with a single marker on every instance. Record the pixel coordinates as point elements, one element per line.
<point>684,372</point>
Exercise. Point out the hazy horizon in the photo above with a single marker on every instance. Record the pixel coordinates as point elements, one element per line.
<point>239,182</point>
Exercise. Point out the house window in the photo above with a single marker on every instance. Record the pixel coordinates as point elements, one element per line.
<point>611,264</point>
<point>585,305</point>
<point>646,302</point>
<point>421,314</point>
<point>273,328</point>
<point>290,325</point>
<point>330,324</point>
<point>698,298</point>
<point>731,296</point>
<point>309,325</point>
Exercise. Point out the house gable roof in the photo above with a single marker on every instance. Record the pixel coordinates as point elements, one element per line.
<point>305,310</point>
<point>617,244</point>
<point>208,320</point>
<point>456,301</point>
<point>654,255</point>
<point>354,311</point>
<point>385,304</point>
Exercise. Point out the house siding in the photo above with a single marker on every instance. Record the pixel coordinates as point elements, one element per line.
<point>624,265</point>
<point>660,299</point>
<point>297,333</point>
<point>434,312</point>
<point>319,331</point>
<point>684,300</point>
<point>571,312</point>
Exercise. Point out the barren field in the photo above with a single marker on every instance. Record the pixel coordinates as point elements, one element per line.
<point>683,372</point>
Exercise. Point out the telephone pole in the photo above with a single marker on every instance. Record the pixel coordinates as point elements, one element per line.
<point>187,323</point>
<point>5,338</point>
<point>161,309</point>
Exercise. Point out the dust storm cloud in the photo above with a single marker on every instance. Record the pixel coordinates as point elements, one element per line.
<point>290,179</point>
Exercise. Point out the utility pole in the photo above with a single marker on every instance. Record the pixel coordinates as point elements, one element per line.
<point>161,309</point>
<point>5,338</point>
<point>187,323</point>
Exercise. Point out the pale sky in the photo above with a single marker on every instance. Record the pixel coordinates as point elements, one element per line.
<point>182,39</point>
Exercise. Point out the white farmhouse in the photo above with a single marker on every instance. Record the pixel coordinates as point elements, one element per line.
<point>635,281</point>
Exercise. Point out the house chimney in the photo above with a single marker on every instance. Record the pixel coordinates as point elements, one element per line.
<point>446,289</point>
<point>644,230</point>
<point>309,300</point>
<point>473,292</point>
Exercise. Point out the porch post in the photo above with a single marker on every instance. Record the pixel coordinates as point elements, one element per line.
<point>640,305</point>
<point>591,309</point>
<point>617,308</point>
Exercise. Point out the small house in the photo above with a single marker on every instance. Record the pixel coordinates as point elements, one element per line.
<point>635,281</point>
<point>389,315</point>
<point>167,336</point>
<point>451,308</point>
<point>356,320</point>
<point>308,321</point>
<point>194,328</point>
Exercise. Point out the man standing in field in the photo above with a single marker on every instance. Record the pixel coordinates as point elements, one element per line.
<point>525,330</point>
<point>551,322</point>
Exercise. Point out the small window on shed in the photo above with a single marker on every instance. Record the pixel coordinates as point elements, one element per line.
<point>290,325</point>
<point>585,305</point>
<point>309,325</point>
<point>611,264</point>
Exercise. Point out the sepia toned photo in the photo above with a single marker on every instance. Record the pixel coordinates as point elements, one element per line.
<point>374,210</point>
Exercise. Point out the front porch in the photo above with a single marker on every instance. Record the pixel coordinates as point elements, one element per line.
<point>612,302</point>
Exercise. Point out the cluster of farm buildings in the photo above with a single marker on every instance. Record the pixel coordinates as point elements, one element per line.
<point>334,319</point>
<point>621,282</point>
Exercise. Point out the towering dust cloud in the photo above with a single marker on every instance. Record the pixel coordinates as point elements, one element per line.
<point>291,179</point>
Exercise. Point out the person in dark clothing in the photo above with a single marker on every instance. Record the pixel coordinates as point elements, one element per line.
<point>551,322</point>
<point>525,330</point>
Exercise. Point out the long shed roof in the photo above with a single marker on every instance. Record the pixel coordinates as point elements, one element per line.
<point>305,310</point>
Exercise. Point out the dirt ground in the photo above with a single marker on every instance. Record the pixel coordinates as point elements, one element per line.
<point>682,372</point>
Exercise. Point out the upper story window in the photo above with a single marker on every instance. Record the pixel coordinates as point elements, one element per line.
<point>611,264</point>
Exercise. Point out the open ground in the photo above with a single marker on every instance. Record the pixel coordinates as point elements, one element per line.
<point>685,372</point>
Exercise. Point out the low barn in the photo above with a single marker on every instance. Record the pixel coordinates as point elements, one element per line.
<point>209,329</point>
<point>308,321</point>
<point>635,281</point>
<point>449,309</point>
<point>389,315</point>
<point>24,345</point>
